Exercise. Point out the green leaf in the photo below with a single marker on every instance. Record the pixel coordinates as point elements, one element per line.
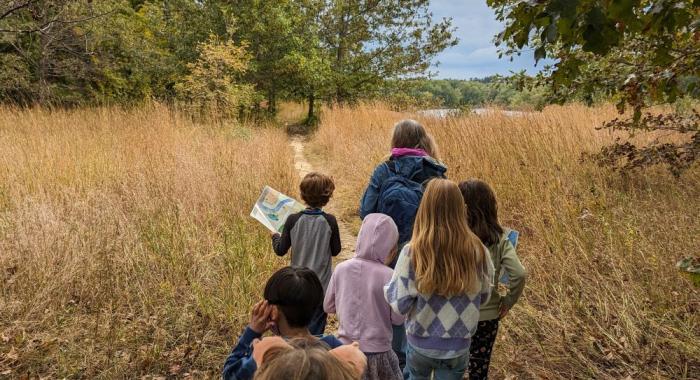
<point>564,8</point>
<point>662,56</point>
<point>540,53</point>
<point>622,10</point>
<point>551,33</point>
<point>543,19</point>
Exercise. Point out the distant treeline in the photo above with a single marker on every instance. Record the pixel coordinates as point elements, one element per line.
<point>488,91</point>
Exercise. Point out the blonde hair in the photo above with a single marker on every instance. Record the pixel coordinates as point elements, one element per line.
<point>303,361</point>
<point>448,258</point>
<point>411,134</point>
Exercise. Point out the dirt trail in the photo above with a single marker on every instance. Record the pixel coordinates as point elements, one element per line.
<point>304,167</point>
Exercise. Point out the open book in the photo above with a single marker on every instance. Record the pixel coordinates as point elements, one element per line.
<point>513,238</point>
<point>273,208</point>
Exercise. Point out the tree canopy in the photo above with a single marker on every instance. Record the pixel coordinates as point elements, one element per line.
<point>638,52</point>
<point>67,52</point>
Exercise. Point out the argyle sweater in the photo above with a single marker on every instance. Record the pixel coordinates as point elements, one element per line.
<point>435,323</point>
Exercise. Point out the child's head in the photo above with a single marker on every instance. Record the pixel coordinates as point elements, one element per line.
<point>482,210</point>
<point>411,134</point>
<point>301,360</point>
<point>448,258</point>
<point>316,189</point>
<point>295,293</point>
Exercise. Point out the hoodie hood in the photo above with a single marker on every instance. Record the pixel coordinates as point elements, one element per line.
<point>419,168</point>
<point>377,238</point>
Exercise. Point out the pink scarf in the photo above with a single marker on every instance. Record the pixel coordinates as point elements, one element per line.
<point>400,152</point>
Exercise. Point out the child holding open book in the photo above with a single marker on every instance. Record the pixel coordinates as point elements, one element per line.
<point>313,236</point>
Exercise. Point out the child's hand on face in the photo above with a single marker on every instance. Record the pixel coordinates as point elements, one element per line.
<point>261,346</point>
<point>260,317</point>
<point>350,353</point>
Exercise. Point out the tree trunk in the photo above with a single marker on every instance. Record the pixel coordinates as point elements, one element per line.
<point>43,67</point>
<point>272,100</point>
<point>310,115</point>
<point>341,54</point>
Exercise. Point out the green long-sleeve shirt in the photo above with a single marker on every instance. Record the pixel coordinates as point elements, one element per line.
<point>504,260</point>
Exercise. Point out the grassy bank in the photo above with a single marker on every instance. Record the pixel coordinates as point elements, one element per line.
<point>126,249</point>
<point>604,299</point>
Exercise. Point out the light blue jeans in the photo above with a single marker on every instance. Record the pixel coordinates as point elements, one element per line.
<point>398,344</point>
<point>421,367</point>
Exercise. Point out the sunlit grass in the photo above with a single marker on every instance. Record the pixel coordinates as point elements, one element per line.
<point>125,243</point>
<point>126,248</point>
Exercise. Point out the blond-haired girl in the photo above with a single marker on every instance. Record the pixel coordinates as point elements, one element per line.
<point>304,359</point>
<point>441,278</point>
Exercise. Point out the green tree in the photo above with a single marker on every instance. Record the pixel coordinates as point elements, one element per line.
<point>213,87</point>
<point>80,51</point>
<point>269,29</point>
<point>374,41</point>
<point>43,41</point>
<point>131,57</point>
<point>637,52</point>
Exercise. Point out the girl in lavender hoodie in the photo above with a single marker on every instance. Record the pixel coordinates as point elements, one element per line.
<point>356,295</point>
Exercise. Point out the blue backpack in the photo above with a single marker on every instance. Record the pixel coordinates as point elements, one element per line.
<point>399,197</point>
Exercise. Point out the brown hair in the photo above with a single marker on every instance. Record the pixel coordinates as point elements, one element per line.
<point>482,210</point>
<point>303,361</point>
<point>447,256</point>
<point>411,134</point>
<point>316,189</point>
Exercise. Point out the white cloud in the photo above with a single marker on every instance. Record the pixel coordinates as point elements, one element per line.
<point>475,55</point>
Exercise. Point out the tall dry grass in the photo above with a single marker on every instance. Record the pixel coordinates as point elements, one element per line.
<point>603,299</point>
<point>126,249</point>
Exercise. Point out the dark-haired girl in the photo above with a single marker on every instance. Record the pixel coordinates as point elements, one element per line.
<point>482,216</point>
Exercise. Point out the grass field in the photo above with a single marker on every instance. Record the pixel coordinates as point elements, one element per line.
<point>604,299</point>
<point>126,249</point>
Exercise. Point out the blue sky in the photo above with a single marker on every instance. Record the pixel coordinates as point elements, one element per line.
<point>475,56</point>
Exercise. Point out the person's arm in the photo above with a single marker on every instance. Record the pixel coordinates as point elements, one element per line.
<point>282,243</point>
<point>517,275</point>
<point>402,296</point>
<point>368,205</point>
<point>240,363</point>
<point>329,300</point>
<point>396,318</point>
<point>487,283</point>
<point>335,234</point>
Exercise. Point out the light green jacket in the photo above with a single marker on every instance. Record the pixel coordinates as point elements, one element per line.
<point>505,260</point>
